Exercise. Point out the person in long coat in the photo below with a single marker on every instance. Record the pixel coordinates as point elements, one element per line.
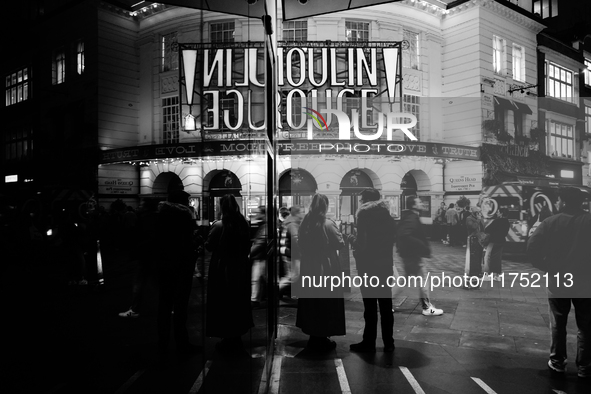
<point>321,310</point>
<point>474,251</point>
<point>228,310</point>
<point>498,229</point>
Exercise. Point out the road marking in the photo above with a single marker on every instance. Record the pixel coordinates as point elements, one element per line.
<point>275,375</point>
<point>558,391</point>
<point>484,386</point>
<point>129,382</point>
<point>197,385</point>
<point>411,379</point>
<point>345,389</point>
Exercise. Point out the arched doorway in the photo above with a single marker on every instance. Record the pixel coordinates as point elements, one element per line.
<point>414,183</point>
<point>296,187</point>
<point>165,182</point>
<point>352,184</point>
<point>221,183</point>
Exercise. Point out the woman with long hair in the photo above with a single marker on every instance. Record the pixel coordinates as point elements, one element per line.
<point>228,310</point>
<point>321,309</point>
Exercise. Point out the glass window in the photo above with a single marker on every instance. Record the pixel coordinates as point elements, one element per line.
<point>80,57</point>
<point>561,140</point>
<point>498,54</point>
<point>588,119</point>
<point>17,86</point>
<point>412,105</point>
<point>170,120</point>
<point>545,8</point>
<point>59,67</point>
<point>357,31</point>
<point>295,31</point>
<point>410,56</point>
<point>587,72</point>
<point>518,63</point>
<point>222,32</point>
<point>18,144</point>
<point>559,83</point>
<point>169,53</point>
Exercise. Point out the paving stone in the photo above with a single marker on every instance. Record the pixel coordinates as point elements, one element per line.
<point>487,342</point>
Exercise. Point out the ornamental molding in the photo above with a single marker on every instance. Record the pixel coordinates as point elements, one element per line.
<point>502,11</point>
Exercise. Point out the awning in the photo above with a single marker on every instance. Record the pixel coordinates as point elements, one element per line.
<point>524,108</point>
<point>504,103</point>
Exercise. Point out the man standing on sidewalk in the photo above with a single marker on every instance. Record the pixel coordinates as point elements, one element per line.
<point>560,246</point>
<point>412,246</point>
<point>451,216</point>
<point>374,255</point>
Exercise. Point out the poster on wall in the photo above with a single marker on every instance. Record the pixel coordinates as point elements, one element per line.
<point>426,212</point>
<point>394,203</point>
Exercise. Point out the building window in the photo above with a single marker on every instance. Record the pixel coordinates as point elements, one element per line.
<point>410,55</point>
<point>222,32</point>
<point>588,119</point>
<point>170,120</point>
<point>498,54</point>
<point>357,31</point>
<point>296,109</point>
<point>18,144</point>
<point>546,8</point>
<point>80,57</point>
<point>561,140</point>
<point>295,31</point>
<point>518,123</point>
<point>170,56</point>
<point>18,86</point>
<point>587,72</point>
<point>412,105</point>
<point>518,63</point>
<point>559,82</point>
<point>59,67</point>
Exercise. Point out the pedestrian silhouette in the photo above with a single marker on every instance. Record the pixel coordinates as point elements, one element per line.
<point>228,311</point>
<point>321,310</point>
<point>175,271</point>
<point>374,255</point>
<point>412,246</point>
<point>560,246</point>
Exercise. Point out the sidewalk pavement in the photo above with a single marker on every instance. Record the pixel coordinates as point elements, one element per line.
<point>496,317</point>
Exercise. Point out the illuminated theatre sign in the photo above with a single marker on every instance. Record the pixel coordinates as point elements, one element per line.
<point>186,151</point>
<point>326,90</point>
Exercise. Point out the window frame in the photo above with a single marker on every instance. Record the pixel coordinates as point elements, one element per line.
<point>518,69</point>
<point>170,117</point>
<point>587,72</point>
<point>499,55</point>
<point>567,140</point>
<point>18,89</point>
<point>538,7</point>
<point>409,59</point>
<point>80,58</point>
<point>552,82</point>
<point>223,30</point>
<point>588,119</point>
<point>412,107</point>
<point>292,26</point>
<point>58,68</point>
<point>18,144</point>
<point>354,25</point>
<point>169,58</point>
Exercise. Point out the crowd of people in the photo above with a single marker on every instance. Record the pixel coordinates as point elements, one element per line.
<point>164,239</point>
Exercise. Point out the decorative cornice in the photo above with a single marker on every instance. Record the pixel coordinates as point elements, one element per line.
<point>425,6</point>
<point>501,10</point>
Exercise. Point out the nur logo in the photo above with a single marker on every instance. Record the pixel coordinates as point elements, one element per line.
<point>393,123</point>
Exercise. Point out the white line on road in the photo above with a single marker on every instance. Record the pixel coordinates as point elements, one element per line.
<point>484,386</point>
<point>558,391</point>
<point>197,385</point>
<point>411,379</point>
<point>129,382</point>
<point>345,389</point>
<point>275,375</point>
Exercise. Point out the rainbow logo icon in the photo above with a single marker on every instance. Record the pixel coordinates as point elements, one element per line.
<point>316,118</point>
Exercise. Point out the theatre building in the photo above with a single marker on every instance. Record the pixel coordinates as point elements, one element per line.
<point>410,97</point>
<point>193,108</point>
